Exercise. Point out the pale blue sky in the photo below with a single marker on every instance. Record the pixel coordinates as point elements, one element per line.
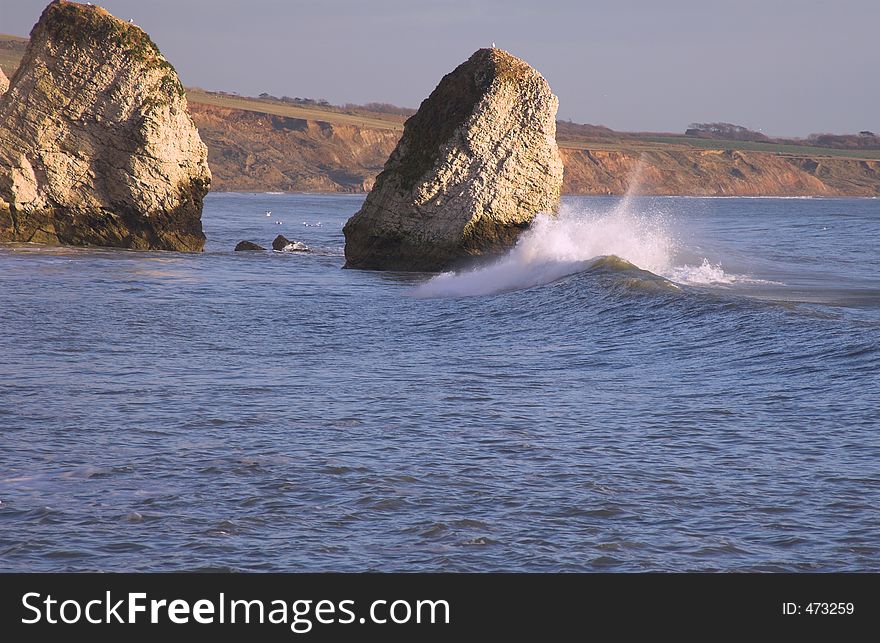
<point>787,67</point>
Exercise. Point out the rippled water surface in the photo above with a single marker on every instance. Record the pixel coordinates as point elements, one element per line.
<point>646,384</point>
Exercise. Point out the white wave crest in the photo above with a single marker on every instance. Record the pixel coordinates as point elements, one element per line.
<point>555,247</point>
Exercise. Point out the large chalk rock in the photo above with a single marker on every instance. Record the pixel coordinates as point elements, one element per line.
<point>474,166</point>
<point>96,144</point>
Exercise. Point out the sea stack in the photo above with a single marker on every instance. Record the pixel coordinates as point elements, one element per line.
<point>244,246</point>
<point>474,166</point>
<point>96,144</point>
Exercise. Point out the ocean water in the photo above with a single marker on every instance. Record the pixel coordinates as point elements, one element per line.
<point>643,384</point>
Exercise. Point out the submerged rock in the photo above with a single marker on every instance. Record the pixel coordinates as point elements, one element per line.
<point>247,245</point>
<point>280,242</point>
<point>96,144</point>
<point>283,244</point>
<point>4,82</point>
<point>474,166</point>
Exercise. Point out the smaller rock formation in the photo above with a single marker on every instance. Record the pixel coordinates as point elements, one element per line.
<point>4,82</point>
<point>474,166</point>
<point>280,242</point>
<point>96,144</point>
<point>283,244</point>
<point>247,245</point>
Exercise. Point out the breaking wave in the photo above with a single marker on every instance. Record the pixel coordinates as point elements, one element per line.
<point>573,241</point>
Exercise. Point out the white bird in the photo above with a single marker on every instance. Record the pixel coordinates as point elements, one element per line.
<point>493,44</point>
<point>268,213</point>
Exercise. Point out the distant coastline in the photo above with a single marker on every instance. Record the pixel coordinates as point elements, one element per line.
<point>273,145</point>
<point>260,151</point>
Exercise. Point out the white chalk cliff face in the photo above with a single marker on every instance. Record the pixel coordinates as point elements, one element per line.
<point>96,144</point>
<point>474,166</point>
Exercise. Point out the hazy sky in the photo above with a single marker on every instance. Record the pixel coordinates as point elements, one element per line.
<point>787,67</point>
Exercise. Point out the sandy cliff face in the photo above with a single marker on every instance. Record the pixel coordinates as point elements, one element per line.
<point>473,167</point>
<point>4,83</point>
<point>250,151</point>
<point>96,144</point>
<point>717,173</point>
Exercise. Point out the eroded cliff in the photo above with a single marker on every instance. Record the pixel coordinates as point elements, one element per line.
<point>251,151</point>
<point>717,173</point>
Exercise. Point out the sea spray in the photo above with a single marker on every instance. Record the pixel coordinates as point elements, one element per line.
<point>555,247</point>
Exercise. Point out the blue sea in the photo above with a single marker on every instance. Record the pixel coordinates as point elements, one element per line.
<point>642,384</point>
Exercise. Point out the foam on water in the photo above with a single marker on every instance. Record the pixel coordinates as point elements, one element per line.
<point>710,274</point>
<point>555,247</point>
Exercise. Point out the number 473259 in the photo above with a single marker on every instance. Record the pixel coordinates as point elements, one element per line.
<point>829,608</point>
<point>818,608</point>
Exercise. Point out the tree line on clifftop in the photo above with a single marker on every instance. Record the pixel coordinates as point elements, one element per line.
<point>864,140</point>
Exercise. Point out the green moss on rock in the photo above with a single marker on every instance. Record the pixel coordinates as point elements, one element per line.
<point>450,104</point>
<point>75,24</point>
